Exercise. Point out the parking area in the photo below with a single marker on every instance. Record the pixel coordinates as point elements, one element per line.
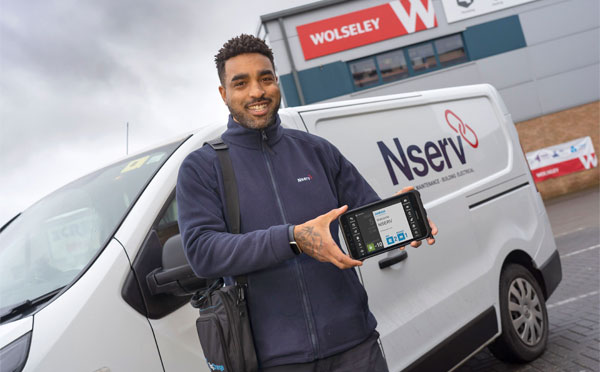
<point>574,308</point>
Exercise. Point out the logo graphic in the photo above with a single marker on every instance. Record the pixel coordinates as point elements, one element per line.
<point>452,118</point>
<point>437,155</point>
<point>365,26</point>
<point>589,161</point>
<point>562,159</point>
<point>370,247</point>
<point>464,3</point>
<point>215,367</point>
<point>304,179</point>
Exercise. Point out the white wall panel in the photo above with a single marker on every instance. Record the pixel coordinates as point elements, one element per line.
<point>282,62</point>
<point>560,19</point>
<point>506,69</point>
<point>568,53</point>
<point>569,89</point>
<point>522,101</point>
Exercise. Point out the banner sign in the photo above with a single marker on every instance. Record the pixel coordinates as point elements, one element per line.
<point>559,160</point>
<point>457,10</point>
<point>396,18</point>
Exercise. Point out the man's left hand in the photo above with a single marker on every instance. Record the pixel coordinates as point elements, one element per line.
<point>434,229</point>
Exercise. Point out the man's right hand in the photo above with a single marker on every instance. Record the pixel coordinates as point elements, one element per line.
<point>314,238</point>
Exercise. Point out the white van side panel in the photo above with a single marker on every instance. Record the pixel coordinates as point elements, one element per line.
<point>177,339</point>
<point>456,147</point>
<point>90,327</point>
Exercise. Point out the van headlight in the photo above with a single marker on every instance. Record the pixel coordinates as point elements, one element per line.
<point>14,355</point>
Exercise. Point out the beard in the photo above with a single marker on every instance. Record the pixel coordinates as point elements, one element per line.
<point>248,121</point>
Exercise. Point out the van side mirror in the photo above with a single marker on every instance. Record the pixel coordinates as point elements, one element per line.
<point>175,277</point>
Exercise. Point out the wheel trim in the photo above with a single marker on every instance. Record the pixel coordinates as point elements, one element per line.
<point>525,311</point>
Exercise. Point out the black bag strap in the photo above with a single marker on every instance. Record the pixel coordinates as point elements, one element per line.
<point>232,201</point>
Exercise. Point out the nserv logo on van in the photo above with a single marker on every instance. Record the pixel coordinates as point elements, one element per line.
<point>436,155</point>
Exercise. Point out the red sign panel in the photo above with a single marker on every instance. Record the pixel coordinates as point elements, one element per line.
<point>396,18</point>
<point>569,157</point>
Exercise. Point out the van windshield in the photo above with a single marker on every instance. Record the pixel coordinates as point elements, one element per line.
<point>51,242</point>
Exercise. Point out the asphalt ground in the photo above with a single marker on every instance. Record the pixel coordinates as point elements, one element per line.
<point>574,308</point>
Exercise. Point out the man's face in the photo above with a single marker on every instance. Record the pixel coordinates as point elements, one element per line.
<point>250,90</point>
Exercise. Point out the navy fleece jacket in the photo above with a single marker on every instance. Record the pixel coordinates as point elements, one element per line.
<point>300,309</point>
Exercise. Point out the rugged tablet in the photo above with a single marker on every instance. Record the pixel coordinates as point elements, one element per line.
<point>384,225</point>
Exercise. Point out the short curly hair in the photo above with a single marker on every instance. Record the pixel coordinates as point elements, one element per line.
<point>240,45</point>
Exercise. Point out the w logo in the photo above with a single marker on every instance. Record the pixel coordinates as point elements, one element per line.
<point>408,11</point>
<point>589,161</point>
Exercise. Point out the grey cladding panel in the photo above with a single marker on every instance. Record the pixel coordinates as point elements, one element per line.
<point>506,69</point>
<point>522,101</point>
<point>565,54</point>
<point>274,31</point>
<point>569,89</point>
<point>560,19</point>
<point>282,62</point>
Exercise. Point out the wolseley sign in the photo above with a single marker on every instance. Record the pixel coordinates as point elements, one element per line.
<point>366,26</point>
<point>457,10</point>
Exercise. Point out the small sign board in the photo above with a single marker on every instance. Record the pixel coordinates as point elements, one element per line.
<point>565,158</point>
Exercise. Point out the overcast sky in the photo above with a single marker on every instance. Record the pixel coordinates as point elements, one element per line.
<point>73,73</point>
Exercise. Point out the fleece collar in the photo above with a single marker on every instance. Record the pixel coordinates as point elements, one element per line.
<point>252,138</point>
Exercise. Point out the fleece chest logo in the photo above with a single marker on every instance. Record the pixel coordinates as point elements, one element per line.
<point>437,154</point>
<point>305,179</point>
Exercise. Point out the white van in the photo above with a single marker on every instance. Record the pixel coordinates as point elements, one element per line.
<point>93,277</point>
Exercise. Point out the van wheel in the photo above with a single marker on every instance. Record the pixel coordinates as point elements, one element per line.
<point>523,315</point>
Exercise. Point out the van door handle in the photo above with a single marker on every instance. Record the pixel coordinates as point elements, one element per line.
<point>389,261</point>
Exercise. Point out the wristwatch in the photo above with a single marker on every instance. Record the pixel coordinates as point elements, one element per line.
<point>293,244</point>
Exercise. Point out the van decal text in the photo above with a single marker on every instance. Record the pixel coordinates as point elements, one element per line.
<point>433,155</point>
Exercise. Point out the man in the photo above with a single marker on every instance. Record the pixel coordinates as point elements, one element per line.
<point>307,307</point>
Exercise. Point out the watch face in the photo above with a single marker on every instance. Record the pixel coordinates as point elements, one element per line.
<point>295,247</point>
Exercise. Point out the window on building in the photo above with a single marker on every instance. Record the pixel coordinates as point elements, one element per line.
<point>408,61</point>
<point>364,73</point>
<point>422,57</point>
<point>450,50</point>
<point>392,66</point>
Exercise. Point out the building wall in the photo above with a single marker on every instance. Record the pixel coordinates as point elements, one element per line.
<point>543,57</point>
<point>556,67</point>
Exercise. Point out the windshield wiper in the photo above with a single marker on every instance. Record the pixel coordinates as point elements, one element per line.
<point>24,306</point>
<point>9,222</point>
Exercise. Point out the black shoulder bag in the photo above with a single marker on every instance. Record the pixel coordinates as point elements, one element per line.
<point>223,325</point>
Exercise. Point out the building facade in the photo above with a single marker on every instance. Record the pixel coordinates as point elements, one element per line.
<point>543,56</point>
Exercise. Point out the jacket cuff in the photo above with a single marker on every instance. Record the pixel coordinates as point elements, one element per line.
<point>280,243</point>
<point>291,233</point>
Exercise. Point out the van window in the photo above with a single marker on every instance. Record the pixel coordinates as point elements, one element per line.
<point>50,243</point>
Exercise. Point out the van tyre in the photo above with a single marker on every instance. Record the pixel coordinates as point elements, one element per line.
<point>523,315</point>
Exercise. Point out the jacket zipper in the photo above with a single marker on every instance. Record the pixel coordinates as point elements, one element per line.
<point>307,313</point>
